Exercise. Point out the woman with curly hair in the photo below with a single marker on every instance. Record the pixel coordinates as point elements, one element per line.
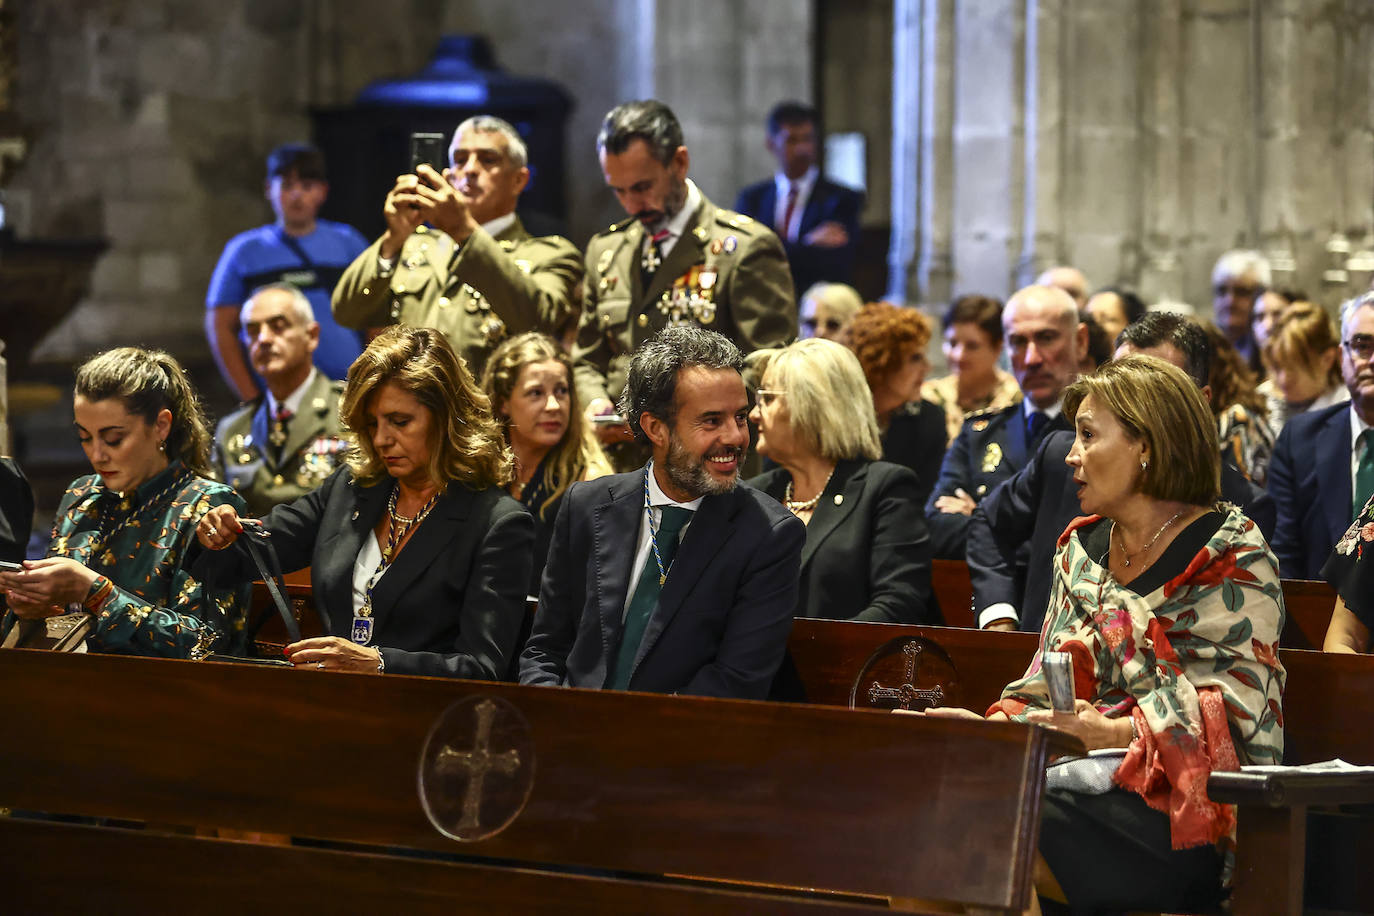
<point>890,342</point>
<point>423,491</point>
<point>1241,410</point>
<point>528,380</point>
<point>121,533</point>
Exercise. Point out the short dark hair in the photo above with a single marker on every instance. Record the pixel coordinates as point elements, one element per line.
<point>1099,344</point>
<point>983,311</point>
<point>1182,332</point>
<point>655,367</point>
<point>648,120</point>
<point>787,114</point>
<point>304,159</point>
<point>1131,304</point>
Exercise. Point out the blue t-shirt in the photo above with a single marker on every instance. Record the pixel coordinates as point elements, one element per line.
<point>265,255</point>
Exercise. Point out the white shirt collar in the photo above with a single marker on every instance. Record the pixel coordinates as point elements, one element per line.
<point>293,400</point>
<point>678,224</point>
<point>804,184</point>
<point>658,498</point>
<point>499,225</point>
<point>1051,412</point>
<point>1357,426</point>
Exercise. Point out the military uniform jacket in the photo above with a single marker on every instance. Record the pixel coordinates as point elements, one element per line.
<point>245,457</point>
<point>478,293</point>
<point>726,273</point>
<point>990,448</point>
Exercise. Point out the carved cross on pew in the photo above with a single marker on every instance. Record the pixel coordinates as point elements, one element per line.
<point>477,763</point>
<point>907,693</point>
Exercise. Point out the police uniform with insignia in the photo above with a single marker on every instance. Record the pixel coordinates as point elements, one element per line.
<point>992,446</point>
<point>270,463</point>
<point>477,293</point>
<point>725,272</point>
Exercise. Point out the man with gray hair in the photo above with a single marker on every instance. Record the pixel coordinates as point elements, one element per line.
<point>677,259</point>
<point>672,578</point>
<point>1322,471</point>
<point>1238,280</point>
<point>456,257</point>
<point>284,443</point>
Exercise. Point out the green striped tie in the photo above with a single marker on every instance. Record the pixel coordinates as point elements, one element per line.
<point>1364,475</point>
<point>646,596</point>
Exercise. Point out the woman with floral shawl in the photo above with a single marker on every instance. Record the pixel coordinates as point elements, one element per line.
<point>1169,605</point>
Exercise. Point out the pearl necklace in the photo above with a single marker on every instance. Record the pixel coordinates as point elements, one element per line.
<point>1121,539</point>
<point>805,505</point>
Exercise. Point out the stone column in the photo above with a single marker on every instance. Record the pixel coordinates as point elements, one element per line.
<point>920,255</point>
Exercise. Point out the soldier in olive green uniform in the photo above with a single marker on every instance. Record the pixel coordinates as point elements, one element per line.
<point>679,259</point>
<point>284,443</point>
<point>474,273</point>
<point>313,443</point>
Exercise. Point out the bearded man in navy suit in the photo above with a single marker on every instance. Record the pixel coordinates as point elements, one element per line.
<point>817,219</point>
<point>674,578</point>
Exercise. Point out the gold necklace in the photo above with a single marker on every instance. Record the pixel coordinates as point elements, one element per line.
<point>1121,538</point>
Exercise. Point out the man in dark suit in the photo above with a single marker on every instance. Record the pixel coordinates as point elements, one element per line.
<point>1322,471</point>
<point>622,605</point>
<point>817,219</point>
<point>1044,339</point>
<point>1011,583</point>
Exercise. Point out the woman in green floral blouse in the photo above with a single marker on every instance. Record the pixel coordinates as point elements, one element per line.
<point>121,533</point>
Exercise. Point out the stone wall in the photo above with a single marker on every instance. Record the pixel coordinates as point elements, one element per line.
<point>1135,140</point>
<point>151,118</point>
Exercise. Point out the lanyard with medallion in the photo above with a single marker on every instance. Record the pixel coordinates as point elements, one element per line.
<point>398,527</point>
<point>653,533</point>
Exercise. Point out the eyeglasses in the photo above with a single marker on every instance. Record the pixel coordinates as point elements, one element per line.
<point>1360,346</point>
<point>768,395</point>
<point>1237,290</point>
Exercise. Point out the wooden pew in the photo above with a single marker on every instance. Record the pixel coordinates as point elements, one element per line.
<point>769,807</point>
<point>1328,702</point>
<point>1308,604</point>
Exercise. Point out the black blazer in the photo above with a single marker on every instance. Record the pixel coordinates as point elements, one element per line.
<point>1015,530</point>
<point>916,438</point>
<point>829,202</point>
<point>1309,478</point>
<point>867,553</point>
<point>723,618</point>
<point>451,604</point>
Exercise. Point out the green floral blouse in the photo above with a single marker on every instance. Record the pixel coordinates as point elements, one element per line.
<point>144,602</point>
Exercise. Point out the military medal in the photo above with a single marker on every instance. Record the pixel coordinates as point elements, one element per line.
<point>278,434</point>
<point>992,457</point>
<point>731,243</point>
<point>362,628</point>
<point>650,260</point>
<point>716,246</point>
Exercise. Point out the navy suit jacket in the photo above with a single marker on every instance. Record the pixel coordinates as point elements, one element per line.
<point>867,553</point>
<point>1309,478</point>
<point>452,603</point>
<point>1034,507</point>
<point>723,617</point>
<point>990,448</point>
<point>829,202</point>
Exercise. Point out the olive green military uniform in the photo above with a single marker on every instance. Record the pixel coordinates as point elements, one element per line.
<point>246,456</point>
<point>477,293</point>
<point>726,273</point>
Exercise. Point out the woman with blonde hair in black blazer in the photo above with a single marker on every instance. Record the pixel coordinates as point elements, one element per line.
<point>867,552</point>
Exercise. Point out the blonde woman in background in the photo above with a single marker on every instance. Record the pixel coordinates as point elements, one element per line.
<point>529,382</point>
<point>1304,359</point>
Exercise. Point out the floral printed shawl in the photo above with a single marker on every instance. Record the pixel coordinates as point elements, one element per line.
<point>1195,662</point>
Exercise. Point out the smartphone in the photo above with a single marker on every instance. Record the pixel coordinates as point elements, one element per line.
<point>7,566</point>
<point>430,149</point>
<point>608,419</point>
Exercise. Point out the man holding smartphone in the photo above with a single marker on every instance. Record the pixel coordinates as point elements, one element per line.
<point>456,257</point>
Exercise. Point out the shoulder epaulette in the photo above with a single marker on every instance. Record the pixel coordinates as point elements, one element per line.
<point>734,220</point>
<point>616,227</point>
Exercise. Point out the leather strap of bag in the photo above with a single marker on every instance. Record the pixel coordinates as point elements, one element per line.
<point>269,571</point>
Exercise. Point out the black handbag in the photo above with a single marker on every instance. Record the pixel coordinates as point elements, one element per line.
<point>257,543</point>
